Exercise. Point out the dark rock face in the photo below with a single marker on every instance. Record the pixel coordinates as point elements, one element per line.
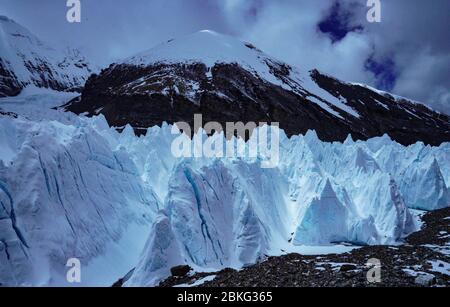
<point>9,114</point>
<point>9,86</point>
<point>119,283</point>
<point>44,76</point>
<point>243,97</point>
<point>180,271</point>
<point>147,96</point>
<point>404,121</point>
<point>50,79</point>
<point>348,267</point>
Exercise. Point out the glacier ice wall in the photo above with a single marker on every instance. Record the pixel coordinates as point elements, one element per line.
<point>64,193</point>
<point>231,212</point>
<point>76,188</point>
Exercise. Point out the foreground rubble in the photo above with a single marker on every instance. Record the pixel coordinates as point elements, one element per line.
<point>422,261</point>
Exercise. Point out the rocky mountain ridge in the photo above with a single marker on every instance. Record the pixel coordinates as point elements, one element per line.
<point>227,80</point>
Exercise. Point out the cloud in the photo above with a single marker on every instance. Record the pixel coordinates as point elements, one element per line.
<point>289,31</point>
<point>407,53</point>
<point>426,79</point>
<point>415,35</point>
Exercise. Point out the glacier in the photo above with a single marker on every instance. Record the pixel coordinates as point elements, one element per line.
<point>71,186</point>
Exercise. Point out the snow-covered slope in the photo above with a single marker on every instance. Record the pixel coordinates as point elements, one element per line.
<point>26,60</point>
<point>226,80</point>
<point>208,47</point>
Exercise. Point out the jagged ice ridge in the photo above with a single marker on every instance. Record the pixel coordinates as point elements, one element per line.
<point>74,187</point>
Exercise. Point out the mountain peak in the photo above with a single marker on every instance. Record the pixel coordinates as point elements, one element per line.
<point>26,60</point>
<point>205,46</point>
<point>227,79</point>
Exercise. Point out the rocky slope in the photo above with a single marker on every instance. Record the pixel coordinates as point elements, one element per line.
<point>26,60</point>
<point>227,80</point>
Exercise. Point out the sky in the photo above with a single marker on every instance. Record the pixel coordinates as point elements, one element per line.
<point>407,53</point>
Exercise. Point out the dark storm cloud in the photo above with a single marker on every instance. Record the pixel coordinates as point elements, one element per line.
<point>408,52</point>
<point>339,21</point>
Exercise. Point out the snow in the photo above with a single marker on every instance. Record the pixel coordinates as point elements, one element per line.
<point>417,216</point>
<point>414,273</point>
<point>369,205</point>
<point>114,262</point>
<point>386,107</point>
<point>336,266</point>
<point>23,53</point>
<point>440,266</point>
<point>206,47</point>
<point>445,250</point>
<point>317,250</point>
<point>160,253</point>
<point>324,106</point>
<point>43,101</point>
<point>393,96</point>
<point>210,48</point>
<point>197,282</point>
<point>312,89</point>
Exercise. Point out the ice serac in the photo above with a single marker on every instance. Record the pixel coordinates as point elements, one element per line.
<point>14,258</point>
<point>218,219</point>
<point>200,215</point>
<point>332,217</point>
<point>227,80</point>
<point>374,207</point>
<point>365,162</point>
<point>161,252</point>
<point>403,217</point>
<point>325,220</point>
<point>26,60</point>
<point>66,193</point>
<point>424,186</point>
